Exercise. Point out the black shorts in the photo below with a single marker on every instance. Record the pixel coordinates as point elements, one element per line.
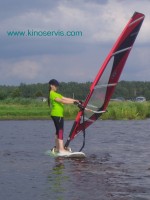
<point>59,125</point>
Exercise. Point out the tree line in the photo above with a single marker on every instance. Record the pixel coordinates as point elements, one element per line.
<point>126,89</point>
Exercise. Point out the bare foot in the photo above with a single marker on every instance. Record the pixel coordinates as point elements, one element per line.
<point>63,151</point>
<point>68,149</point>
<point>54,150</point>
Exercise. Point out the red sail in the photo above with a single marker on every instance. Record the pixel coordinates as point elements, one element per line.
<point>107,78</point>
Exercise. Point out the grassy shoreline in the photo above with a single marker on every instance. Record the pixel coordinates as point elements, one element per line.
<point>30,109</point>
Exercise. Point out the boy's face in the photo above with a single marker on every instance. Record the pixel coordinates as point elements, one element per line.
<point>54,87</point>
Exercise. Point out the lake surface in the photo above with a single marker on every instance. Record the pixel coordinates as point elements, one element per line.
<point>117,166</point>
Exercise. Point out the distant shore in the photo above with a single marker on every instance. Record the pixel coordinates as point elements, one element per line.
<point>30,109</point>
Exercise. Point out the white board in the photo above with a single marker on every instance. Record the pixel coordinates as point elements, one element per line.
<point>68,155</point>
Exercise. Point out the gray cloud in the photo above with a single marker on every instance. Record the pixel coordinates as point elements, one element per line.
<point>68,58</point>
<point>17,7</point>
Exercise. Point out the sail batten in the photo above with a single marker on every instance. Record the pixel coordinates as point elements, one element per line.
<point>141,18</point>
<point>122,50</point>
<point>107,78</point>
<point>106,85</point>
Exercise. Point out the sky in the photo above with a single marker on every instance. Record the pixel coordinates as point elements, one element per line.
<point>43,52</point>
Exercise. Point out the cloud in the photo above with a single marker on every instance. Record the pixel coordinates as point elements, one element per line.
<point>14,8</point>
<point>100,22</point>
<point>25,69</point>
<point>137,66</point>
<point>97,21</point>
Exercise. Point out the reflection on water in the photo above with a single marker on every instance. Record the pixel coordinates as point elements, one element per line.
<point>97,178</point>
<point>56,180</point>
<point>117,166</point>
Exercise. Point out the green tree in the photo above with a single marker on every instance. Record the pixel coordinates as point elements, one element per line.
<point>3,95</point>
<point>16,93</point>
<point>38,94</point>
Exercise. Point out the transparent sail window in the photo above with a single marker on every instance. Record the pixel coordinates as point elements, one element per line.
<point>98,97</point>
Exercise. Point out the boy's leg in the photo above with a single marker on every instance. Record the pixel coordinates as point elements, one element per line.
<point>56,143</point>
<point>59,124</point>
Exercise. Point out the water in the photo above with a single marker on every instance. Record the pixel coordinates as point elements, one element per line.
<point>117,166</point>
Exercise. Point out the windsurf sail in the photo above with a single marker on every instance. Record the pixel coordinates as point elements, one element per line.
<point>103,86</point>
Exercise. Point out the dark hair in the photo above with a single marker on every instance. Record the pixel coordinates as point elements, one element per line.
<point>54,82</point>
<point>49,95</point>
